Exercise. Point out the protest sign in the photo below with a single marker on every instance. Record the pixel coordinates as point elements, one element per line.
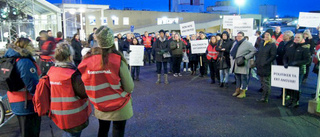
<point>187,28</point>
<point>252,39</point>
<point>309,19</point>
<point>228,21</point>
<point>126,56</point>
<point>244,25</point>
<point>136,55</point>
<point>285,78</point>
<point>116,44</point>
<point>199,46</point>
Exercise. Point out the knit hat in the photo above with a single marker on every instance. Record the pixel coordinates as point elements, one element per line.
<point>162,31</point>
<point>270,31</point>
<point>105,37</point>
<point>218,34</point>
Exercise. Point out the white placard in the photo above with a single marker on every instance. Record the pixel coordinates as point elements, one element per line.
<point>126,56</point>
<point>244,25</point>
<point>309,19</point>
<point>228,21</point>
<point>136,55</point>
<point>285,78</point>
<point>253,39</point>
<point>199,46</point>
<point>116,44</point>
<point>187,28</point>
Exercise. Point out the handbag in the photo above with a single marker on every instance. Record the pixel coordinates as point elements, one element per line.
<point>222,63</point>
<point>185,57</point>
<point>240,61</point>
<point>166,55</point>
<point>252,63</point>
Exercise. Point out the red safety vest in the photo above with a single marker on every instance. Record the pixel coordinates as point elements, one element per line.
<point>103,86</point>
<point>18,96</point>
<point>147,42</point>
<point>45,47</point>
<point>212,53</point>
<point>66,109</point>
<point>280,38</point>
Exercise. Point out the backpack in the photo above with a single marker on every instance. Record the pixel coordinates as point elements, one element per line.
<point>41,98</point>
<point>9,79</point>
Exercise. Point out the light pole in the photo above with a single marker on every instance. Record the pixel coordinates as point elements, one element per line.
<point>239,3</point>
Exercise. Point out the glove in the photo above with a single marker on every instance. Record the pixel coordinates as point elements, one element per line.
<point>285,66</point>
<point>129,51</point>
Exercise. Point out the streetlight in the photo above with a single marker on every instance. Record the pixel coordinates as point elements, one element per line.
<point>239,3</point>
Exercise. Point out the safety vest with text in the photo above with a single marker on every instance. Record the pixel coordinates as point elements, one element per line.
<point>212,53</point>
<point>44,47</point>
<point>280,38</point>
<point>103,86</point>
<point>147,42</point>
<point>66,109</point>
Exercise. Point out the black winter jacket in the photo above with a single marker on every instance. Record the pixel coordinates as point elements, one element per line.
<point>264,58</point>
<point>297,55</point>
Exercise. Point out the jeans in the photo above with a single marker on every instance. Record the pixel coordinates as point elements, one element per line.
<point>148,54</point>
<point>241,81</point>
<point>193,65</point>
<point>68,134</point>
<point>135,70</point>
<point>266,86</point>
<point>214,71</point>
<point>29,125</point>
<point>118,128</point>
<point>186,65</point>
<point>159,67</point>
<point>176,63</point>
<point>224,75</point>
<point>171,64</point>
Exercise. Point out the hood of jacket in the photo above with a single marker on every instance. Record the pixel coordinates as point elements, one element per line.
<point>15,51</point>
<point>225,32</point>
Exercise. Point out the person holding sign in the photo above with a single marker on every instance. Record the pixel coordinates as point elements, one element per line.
<point>264,57</point>
<point>241,52</point>
<point>177,47</point>
<point>203,58</point>
<point>135,69</point>
<point>193,58</point>
<point>212,56</point>
<point>297,55</point>
<point>162,48</point>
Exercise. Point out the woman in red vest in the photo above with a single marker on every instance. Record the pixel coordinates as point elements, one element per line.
<point>108,84</point>
<point>70,109</point>
<point>212,56</point>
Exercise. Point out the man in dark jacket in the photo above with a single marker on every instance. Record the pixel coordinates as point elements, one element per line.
<point>264,57</point>
<point>161,46</point>
<point>259,39</point>
<point>125,45</point>
<point>297,55</point>
<point>281,50</point>
<point>91,36</point>
<point>224,47</point>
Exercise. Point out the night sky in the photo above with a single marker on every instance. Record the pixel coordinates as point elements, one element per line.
<point>285,7</point>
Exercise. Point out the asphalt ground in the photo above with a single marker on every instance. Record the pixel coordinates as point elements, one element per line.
<point>191,106</point>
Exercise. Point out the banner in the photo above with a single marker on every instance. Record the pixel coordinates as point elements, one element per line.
<point>199,46</point>
<point>116,44</point>
<point>244,25</point>
<point>309,19</point>
<point>228,21</point>
<point>187,28</point>
<point>285,78</point>
<point>136,55</point>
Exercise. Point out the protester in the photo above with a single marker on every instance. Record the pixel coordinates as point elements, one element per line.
<point>21,106</point>
<point>186,54</point>
<point>147,41</point>
<point>218,36</point>
<point>94,42</point>
<point>66,82</point>
<point>116,75</point>
<point>193,58</point>
<point>203,58</point>
<point>91,38</point>
<point>259,39</point>
<point>59,37</point>
<point>135,70</point>
<point>76,45</point>
<point>277,36</point>
<point>308,40</point>
<point>47,52</point>
<point>125,45</point>
<point>161,47</point>
<point>241,52</point>
<point>177,47</point>
<point>224,58</point>
<point>297,55</point>
<point>40,40</point>
<point>264,58</point>
<point>212,56</point>
<point>49,33</point>
<point>281,50</point>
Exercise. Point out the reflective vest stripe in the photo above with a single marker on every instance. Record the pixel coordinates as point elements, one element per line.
<point>72,111</point>
<point>64,99</point>
<point>109,97</point>
<point>103,86</point>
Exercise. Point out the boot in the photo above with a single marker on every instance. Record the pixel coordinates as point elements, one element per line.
<point>237,92</point>
<point>191,72</point>
<point>226,85</point>
<point>159,77</point>
<point>295,100</point>
<point>221,84</point>
<point>137,78</point>
<point>264,98</point>
<point>242,94</point>
<point>166,79</point>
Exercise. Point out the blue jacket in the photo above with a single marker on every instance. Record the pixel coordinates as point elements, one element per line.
<point>29,75</point>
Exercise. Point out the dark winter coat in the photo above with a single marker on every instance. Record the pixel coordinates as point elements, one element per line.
<point>192,57</point>
<point>264,58</point>
<point>297,55</point>
<point>227,45</point>
<point>281,50</point>
<point>76,45</point>
<point>125,46</point>
<point>177,51</point>
<point>160,48</point>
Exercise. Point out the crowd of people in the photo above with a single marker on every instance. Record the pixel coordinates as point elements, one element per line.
<point>98,72</point>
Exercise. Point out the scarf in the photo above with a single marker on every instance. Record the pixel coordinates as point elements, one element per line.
<point>234,50</point>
